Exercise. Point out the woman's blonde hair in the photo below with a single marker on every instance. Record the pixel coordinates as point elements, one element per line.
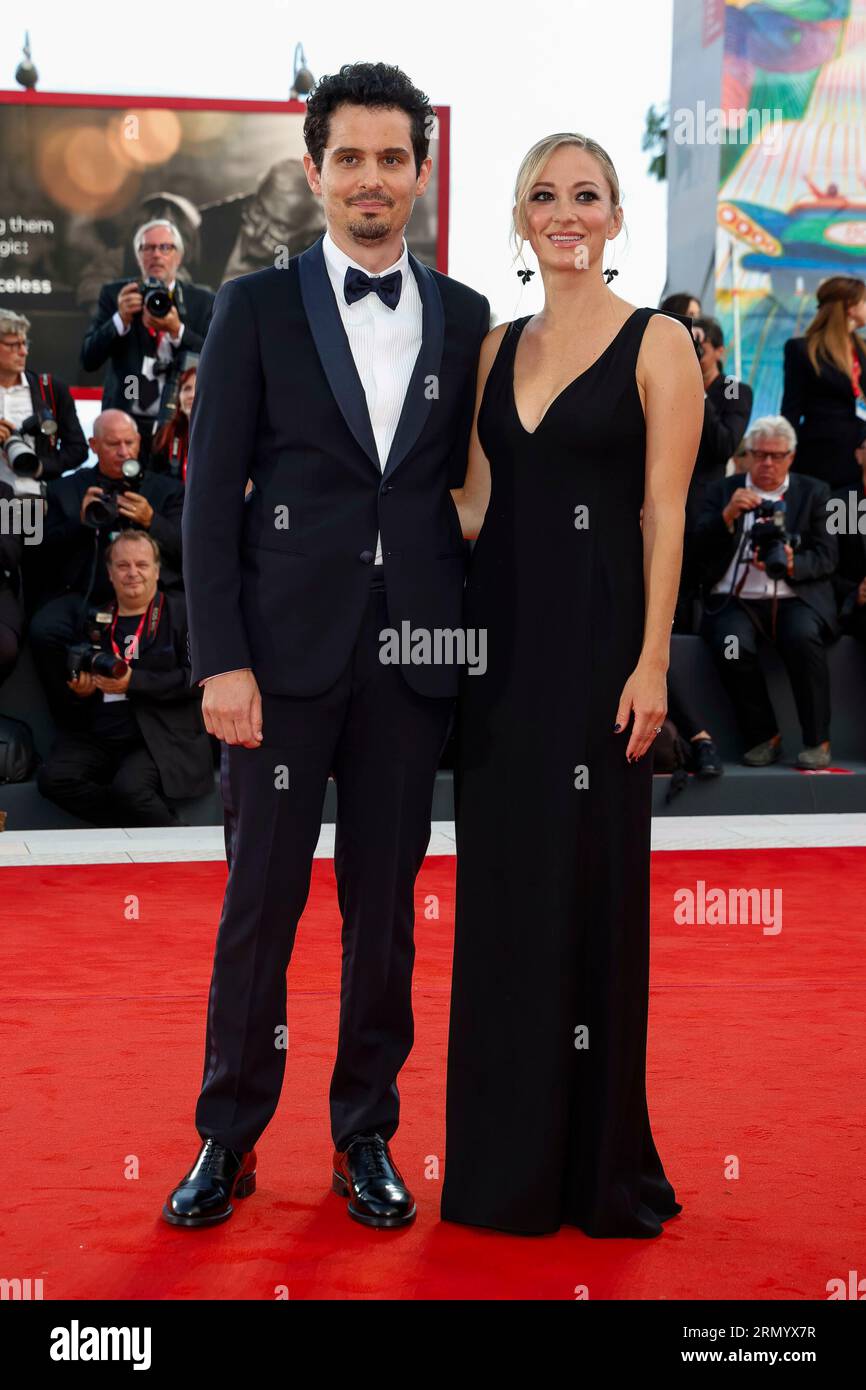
<point>828,335</point>
<point>533,163</point>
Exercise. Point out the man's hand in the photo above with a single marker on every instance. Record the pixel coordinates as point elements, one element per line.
<point>169,323</point>
<point>861,593</point>
<point>90,495</point>
<point>110,685</point>
<point>6,428</point>
<point>136,507</point>
<point>744,499</point>
<point>232,708</point>
<point>759,564</point>
<point>129,302</point>
<point>82,684</point>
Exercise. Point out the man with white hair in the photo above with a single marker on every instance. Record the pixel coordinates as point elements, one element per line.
<point>766,555</point>
<point>143,341</point>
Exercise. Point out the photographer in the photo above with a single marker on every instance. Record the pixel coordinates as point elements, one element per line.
<point>86,509</point>
<point>137,736</point>
<point>141,328</point>
<point>37,413</point>
<point>171,442</point>
<point>727,407</point>
<point>767,558</point>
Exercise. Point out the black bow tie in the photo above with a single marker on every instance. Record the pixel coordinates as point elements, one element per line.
<point>387,287</point>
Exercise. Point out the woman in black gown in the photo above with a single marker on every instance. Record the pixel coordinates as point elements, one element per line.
<point>589,416</point>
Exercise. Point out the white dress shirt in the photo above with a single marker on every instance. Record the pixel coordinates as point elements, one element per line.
<point>16,405</point>
<point>385,344</point>
<point>757,583</point>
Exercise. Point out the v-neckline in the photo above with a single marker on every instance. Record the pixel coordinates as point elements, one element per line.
<point>568,385</point>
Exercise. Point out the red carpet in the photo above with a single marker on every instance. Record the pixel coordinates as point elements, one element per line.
<point>756,1051</point>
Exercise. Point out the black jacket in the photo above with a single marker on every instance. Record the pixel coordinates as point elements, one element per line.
<point>805,513</point>
<point>68,447</point>
<point>852,551</point>
<point>66,553</point>
<point>727,407</point>
<point>167,709</point>
<point>11,552</point>
<point>125,354</point>
<point>278,399</point>
<point>821,407</point>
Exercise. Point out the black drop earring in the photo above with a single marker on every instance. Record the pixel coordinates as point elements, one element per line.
<point>609,274</point>
<point>525,275</point>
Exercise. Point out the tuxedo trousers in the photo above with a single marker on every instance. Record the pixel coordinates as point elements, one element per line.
<point>381,740</point>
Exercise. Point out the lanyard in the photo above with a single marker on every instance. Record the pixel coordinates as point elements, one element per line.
<point>135,640</point>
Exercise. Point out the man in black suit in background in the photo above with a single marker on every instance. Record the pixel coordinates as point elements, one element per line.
<point>144,349</point>
<point>342,382</point>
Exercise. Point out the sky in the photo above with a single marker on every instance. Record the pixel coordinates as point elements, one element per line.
<point>511,73</point>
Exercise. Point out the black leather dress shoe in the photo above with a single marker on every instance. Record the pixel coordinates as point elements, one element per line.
<point>366,1173</point>
<point>204,1196</point>
<point>707,762</point>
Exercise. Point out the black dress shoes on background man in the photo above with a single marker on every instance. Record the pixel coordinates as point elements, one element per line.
<point>366,1173</point>
<point>204,1195</point>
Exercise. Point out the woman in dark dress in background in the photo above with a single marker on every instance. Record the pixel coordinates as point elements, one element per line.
<point>825,377</point>
<point>589,412</point>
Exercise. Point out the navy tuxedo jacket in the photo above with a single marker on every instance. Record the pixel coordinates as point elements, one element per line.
<point>279,400</point>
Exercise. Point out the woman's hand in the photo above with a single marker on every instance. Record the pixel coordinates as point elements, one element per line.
<point>645,693</point>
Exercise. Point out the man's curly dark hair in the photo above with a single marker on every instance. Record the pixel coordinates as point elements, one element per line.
<point>367,84</point>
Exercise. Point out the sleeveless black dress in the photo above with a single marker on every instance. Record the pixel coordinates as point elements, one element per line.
<point>546,1110</point>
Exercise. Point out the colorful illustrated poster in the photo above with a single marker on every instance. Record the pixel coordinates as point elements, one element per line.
<point>792,204</point>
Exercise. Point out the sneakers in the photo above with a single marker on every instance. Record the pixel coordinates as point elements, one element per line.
<point>818,756</point>
<point>764,753</point>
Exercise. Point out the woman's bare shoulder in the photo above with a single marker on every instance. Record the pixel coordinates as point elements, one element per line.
<point>490,346</point>
<point>665,337</point>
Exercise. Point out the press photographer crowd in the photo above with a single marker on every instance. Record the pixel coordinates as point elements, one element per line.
<point>91,568</point>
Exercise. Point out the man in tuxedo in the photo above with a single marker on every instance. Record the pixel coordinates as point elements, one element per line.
<point>745,596</point>
<point>342,382</point>
<point>143,349</point>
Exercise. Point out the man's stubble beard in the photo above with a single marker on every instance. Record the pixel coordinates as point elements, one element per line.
<point>369,231</point>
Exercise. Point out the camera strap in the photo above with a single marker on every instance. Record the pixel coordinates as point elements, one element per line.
<point>754,616</point>
<point>149,619</point>
<point>46,384</point>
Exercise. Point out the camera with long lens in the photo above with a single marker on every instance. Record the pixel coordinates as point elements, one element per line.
<point>156,297</point>
<point>769,536</point>
<point>21,455</point>
<point>102,511</point>
<point>90,656</point>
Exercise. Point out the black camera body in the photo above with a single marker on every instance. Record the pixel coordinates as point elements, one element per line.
<point>102,511</point>
<point>90,655</point>
<point>157,297</point>
<point>769,536</point>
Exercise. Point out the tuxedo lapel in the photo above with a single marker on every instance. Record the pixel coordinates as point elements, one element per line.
<point>338,363</point>
<point>333,348</point>
<point>416,406</point>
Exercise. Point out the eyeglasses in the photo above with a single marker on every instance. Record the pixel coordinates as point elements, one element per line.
<point>769,453</point>
<point>163,246</point>
<point>15,343</point>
